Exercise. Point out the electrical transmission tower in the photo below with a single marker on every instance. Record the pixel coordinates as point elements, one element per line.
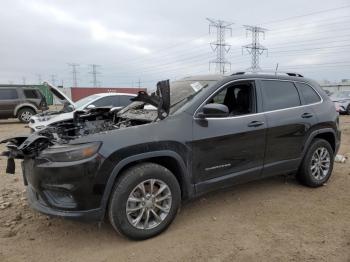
<point>255,49</point>
<point>220,46</point>
<point>74,74</point>
<point>94,73</point>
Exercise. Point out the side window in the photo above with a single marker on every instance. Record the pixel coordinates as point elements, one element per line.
<point>125,100</point>
<point>309,94</point>
<point>279,95</point>
<point>238,97</point>
<point>8,94</point>
<point>107,101</point>
<point>30,93</point>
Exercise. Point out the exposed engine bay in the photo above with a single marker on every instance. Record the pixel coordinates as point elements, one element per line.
<point>92,121</point>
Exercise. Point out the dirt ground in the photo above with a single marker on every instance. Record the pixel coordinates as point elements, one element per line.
<point>275,219</point>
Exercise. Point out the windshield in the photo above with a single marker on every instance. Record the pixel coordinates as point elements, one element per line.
<point>342,94</point>
<point>180,92</point>
<point>80,104</point>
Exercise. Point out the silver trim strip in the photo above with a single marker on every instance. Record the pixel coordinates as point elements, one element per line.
<point>260,113</point>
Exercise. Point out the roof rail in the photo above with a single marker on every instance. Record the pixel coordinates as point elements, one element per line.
<point>268,72</point>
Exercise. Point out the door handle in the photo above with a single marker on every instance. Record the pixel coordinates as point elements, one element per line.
<point>255,124</point>
<point>306,115</point>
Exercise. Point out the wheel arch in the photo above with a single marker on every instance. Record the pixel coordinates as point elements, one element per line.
<point>327,134</point>
<point>25,105</point>
<point>167,158</point>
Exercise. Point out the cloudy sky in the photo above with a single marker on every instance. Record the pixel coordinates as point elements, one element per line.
<point>150,40</point>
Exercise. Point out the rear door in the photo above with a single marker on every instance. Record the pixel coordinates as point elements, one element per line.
<point>288,123</point>
<point>8,102</point>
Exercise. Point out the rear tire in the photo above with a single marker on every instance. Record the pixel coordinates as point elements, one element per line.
<point>317,164</point>
<point>144,201</point>
<point>24,114</point>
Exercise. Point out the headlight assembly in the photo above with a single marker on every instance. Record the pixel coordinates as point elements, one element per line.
<point>67,153</point>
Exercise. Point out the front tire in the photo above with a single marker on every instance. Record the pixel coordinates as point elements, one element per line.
<point>317,164</point>
<point>144,201</point>
<point>25,114</point>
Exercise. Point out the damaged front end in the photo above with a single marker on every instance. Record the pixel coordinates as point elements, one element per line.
<point>96,120</point>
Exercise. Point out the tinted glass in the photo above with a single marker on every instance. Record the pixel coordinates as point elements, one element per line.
<point>107,101</point>
<point>125,100</point>
<point>30,93</point>
<point>239,98</point>
<point>279,95</point>
<point>309,94</point>
<point>6,94</point>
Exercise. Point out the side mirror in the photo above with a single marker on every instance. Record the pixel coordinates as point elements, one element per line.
<point>90,106</point>
<point>214,110</point>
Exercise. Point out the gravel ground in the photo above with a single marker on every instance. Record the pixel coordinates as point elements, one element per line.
<point>275,219</point>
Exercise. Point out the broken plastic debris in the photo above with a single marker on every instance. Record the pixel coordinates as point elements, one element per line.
<point>340,159</point>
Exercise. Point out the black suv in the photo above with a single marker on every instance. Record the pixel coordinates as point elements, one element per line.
<point>20,101</point>
<point>200,134</point>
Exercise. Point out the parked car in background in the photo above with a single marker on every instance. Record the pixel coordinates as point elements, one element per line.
<point>341,100</point>
<point>21,102</point>
<point>329,93</point>
<point>116,101</point>
<point>208,132</point>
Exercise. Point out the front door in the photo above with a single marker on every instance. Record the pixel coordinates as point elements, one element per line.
<point>229,150</point>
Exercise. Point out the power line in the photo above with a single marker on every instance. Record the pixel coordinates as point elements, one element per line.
<point>220,46</point>
<point>94,73</point>
<point>255,49</point>
<point>74,74</point>
<point>308,14</point>
<point>53,79</point>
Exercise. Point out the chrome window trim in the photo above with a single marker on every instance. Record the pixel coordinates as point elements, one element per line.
<point>260,113</point>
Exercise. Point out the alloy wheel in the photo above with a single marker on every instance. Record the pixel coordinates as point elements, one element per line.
<point>320,163</point>
<point>26,115</point>
<point>148,204</point>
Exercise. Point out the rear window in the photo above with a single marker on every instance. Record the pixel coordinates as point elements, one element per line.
<point>30,93</point>
<point>279,95</point>
<point>125,100</point>
<point>309,94</point>
<point>6,94</point>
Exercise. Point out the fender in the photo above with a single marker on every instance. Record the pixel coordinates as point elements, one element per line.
<point>20,106</point>
<point>187,186</point>
<point>314,134</point>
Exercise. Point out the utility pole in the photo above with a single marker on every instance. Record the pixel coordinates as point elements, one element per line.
<point>24,80</point>
<point>255,49</point>
<point>39,79</point>
<point>94,73</point>
<point>220,46</point>
<point>53,79</point>
<point>139,83</point>
<point>74,74</point>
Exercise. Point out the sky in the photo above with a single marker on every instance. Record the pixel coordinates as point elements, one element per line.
<point>136,43</point>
